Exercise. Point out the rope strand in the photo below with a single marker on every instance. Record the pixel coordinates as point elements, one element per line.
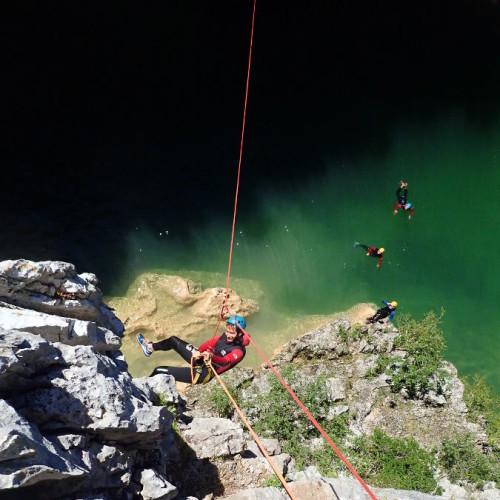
<point>301,405</point>
<point>255,437</point>
<point>241,154</point>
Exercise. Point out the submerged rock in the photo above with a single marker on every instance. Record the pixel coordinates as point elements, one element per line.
<point>166,305</point>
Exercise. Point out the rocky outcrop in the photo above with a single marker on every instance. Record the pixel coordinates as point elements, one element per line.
<point>165,305</point>
<point>75,424</point>
<point>55,288</point>
<point>73,419</point>
<point>343,356</point>
<point>326,350</point>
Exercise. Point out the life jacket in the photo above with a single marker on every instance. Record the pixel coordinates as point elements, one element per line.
<point>224,348</point>
<point>220,349</point>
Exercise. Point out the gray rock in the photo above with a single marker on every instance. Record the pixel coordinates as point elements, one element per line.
<point>272,447</point>
<point>58,329</point>
<point>335,411</point>
<point>69,441</point>
<point>214,437</point>
<point>336,388</point>
<point>26,457</point>
<point>155,486</point>
<point>55,288</point>
<point>433,399</point>
<point>23,356</point>
<point>93,394</point>
<point>161,384</point>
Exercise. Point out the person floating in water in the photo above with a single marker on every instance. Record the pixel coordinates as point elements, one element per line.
<point>388,311</point>
<point>372,251</point>
<point>403,203</point>
<point>224,352</point>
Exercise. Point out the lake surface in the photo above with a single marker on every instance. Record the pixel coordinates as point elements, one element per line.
<point>122,136</point>
<point>297,243</point>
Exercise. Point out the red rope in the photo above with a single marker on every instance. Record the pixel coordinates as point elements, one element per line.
<point>304,409</point>
<point>241,154</point>
<point>314,421</point>
<point>255,437</point>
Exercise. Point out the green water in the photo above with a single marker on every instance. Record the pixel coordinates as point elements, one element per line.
<point>297,243</point>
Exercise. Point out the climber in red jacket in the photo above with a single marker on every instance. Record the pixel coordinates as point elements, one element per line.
<point>372,251</point>
<point>224,352</point>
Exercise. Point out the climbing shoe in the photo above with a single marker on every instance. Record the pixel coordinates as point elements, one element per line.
<point>144,342</point>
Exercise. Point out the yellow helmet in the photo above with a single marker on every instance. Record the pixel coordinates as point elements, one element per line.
<point>394,303</point>
<point>381,250</point>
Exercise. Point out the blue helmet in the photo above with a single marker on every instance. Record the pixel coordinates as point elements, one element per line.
<point>408,205</point>
<point>238,322</point>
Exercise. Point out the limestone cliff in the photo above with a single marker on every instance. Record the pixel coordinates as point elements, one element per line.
<point>75,424</point>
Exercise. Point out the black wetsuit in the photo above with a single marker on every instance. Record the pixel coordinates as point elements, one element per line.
<point>226,355</point>
<point>372,252</point>
<point>402,194</point>
<point>382,313</point>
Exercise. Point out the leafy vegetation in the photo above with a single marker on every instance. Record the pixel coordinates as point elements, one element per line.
<point>272,481</point>
<point>279,416</point>
<point>396,463</point>
<point>381,365</point>
<point>350,334</point>
<point>462,461</point>
<point>222,404</point>
<point>483,405</point>
<point>423,342</point>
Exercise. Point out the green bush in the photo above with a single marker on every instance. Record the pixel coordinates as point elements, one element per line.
<point>462,461</point>
<point>279,416</point>
<point>381,364</point>
<point>423,342</point>
<point>222,404</point>
<point>350,334</point>
<point>272,481</point>
<point>397,463</point>
<point>323,458</point>
<point>481,403</point>
<point>275,409</point>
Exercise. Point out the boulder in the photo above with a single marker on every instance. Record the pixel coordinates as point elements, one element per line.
<point>214,437</point>
<point>23,356</point>
<point>160,386</point>
<point>26,457</point>
<point>164,304</point>
<point>58,329</point>
<point>155,486</point>
<point>91,393</point>
<point>55,288</point>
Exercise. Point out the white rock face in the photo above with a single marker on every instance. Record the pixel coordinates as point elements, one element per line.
<point>58,329</point>
<point>26,457</point>
<point>70,414</point>
<point>90,392</point>
<point>214,437</point>
<point>55,288</point>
